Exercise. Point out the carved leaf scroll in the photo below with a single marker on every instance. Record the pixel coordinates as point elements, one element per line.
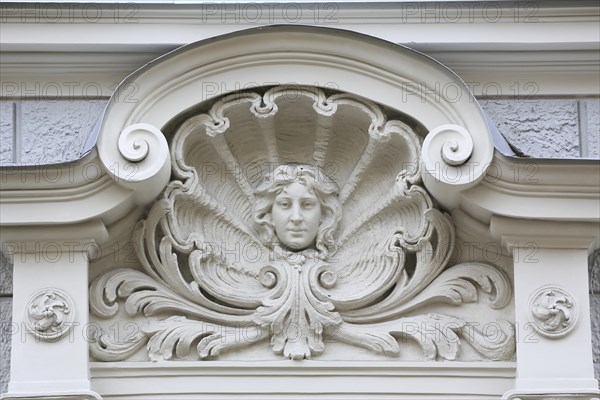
<point>218,273</point>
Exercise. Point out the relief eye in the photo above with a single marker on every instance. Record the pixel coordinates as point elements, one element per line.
<point>283,204</point>
<point>308,204</point>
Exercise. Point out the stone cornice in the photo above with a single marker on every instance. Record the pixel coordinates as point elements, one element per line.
<point>63,194</point>
<point>550,234</point>
<point>532,49</point>
<point>567,190</point>
<point>54,396</point>
<point>482,380</point>
<point>519,188</point>
<point>66,237</point>
<point>251,14</point>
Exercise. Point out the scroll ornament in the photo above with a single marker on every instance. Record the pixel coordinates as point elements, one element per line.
<point>294,218</point>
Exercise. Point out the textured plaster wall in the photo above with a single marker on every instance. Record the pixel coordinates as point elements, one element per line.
<point>594,265</point>
<point>592,120</point>
<point>50,132</point>
<point>5,320</point>
<point>6,132</point>
<point>556,128</point>
<point>47,132</point>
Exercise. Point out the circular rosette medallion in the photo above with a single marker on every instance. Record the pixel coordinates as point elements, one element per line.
<point>49,314</point>
<point>552,311</point>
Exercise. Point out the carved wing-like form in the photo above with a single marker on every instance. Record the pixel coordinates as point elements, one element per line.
<point>206,274</point>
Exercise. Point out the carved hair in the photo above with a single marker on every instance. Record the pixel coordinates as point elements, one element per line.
<point>317,183</point>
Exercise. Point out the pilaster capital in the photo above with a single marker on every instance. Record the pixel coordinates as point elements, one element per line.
<point>517,232</point>
<point>53,243</point>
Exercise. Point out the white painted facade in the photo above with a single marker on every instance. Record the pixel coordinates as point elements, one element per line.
<point>542,215</point>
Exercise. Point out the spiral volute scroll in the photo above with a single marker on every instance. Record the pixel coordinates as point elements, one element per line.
<point>133,145</point>
<point>142,162</point>
<point>449,162</point>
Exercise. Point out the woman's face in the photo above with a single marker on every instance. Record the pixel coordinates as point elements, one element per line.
<point>296,215</point>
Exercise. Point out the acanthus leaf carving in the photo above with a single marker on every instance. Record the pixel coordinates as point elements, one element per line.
<point>296,233</point>
<point>106,348</point>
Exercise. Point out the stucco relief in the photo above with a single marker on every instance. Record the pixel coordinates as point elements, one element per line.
<point>295,218</point>
<point>552,311</point>
<point>49,314</point>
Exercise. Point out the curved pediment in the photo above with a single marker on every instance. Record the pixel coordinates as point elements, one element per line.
<point>458,146</point>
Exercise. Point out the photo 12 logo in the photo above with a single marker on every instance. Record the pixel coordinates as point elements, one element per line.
<point>269,12</point>
<point>69,13</point>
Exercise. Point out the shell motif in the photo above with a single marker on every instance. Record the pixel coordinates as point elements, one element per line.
<point>220,256</point>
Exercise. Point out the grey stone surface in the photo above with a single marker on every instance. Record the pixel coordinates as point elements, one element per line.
<point>593,127</point>
<point>537,128</point>
<point>5,338</point>
<point>55,131</point>
<point>6,132</point>
<point>594,269</point>
<point>595,316</point>
<point>6,275</point>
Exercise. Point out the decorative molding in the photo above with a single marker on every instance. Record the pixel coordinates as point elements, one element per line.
<point>552,311</point>
<point>58,395</point>
<point>292,379</point>
<point>504,23</point>
<point>39,75</point>
<point>76,192</point>
<point>458,58</point>
<point>49,314</point>
<point>521,52</point>
<point>520,232</point>
<point>572,394</point>
<point>349,255</point>
<point>530,188</point>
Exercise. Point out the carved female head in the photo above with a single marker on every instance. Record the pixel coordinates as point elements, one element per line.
<point>298,205</point>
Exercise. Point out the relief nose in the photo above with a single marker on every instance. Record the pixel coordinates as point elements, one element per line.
<point>296,214</point>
